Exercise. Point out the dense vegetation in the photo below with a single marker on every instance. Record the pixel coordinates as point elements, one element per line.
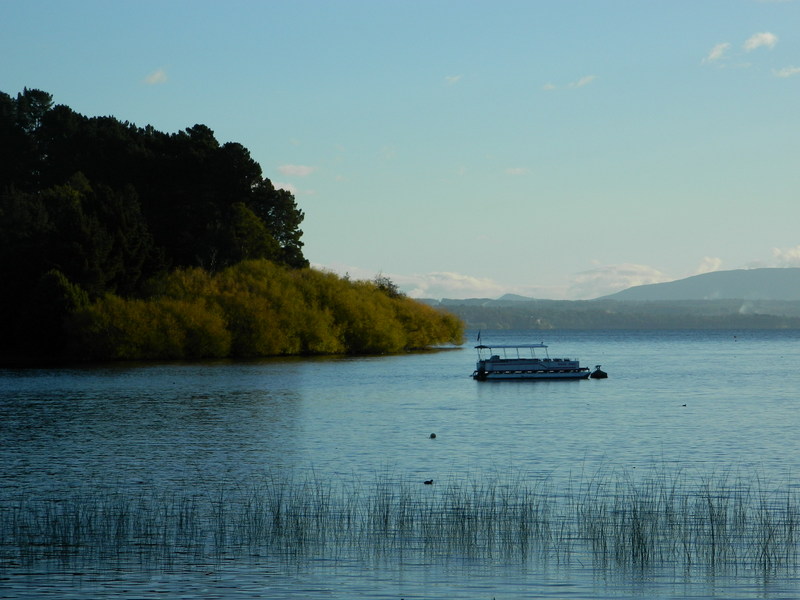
<point>118,241</point>
<point>257,308</point>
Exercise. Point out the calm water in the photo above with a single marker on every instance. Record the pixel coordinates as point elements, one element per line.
<point>703,403</point>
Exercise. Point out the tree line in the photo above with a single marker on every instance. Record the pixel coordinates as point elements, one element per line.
<point>619,314</point>
<point>255,308</point>
<point>100,217</point>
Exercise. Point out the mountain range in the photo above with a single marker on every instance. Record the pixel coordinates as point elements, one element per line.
<point>740,299</point>
<point>740,284</point>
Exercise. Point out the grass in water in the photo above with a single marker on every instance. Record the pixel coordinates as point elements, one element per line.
<point>665,519</point>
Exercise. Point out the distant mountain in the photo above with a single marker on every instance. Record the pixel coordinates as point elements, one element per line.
<point>506,300</point>
<point>514,298</point>
<point>741,284</point>
<point>753,299</point>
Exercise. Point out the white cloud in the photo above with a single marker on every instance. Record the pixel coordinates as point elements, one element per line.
<point>717,52</point>
<point>758,40</point>
<point>708,265</point>
<point>448,285</point>
<point>296,170</point>
<point>786,72</point>
<point>285,186</point>
<point>583,81</point>
<point>789,257</point>
<point>452,79</point>
<point>607,279</point>
<point>597,282</point>
<point>156,77</point>
<point>516,171</point>
<point>436,285</point>
<point>594,283</point>
<point>445,284</point>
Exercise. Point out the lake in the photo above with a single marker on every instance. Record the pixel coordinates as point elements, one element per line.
<point>153,480</point>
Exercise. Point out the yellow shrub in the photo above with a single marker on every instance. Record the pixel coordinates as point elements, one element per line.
<point>256,308</point>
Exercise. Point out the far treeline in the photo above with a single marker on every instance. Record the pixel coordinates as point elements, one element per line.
<point>123,242</point>
<point>618,314</point>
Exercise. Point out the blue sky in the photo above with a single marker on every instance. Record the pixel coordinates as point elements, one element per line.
<point>551,148</point>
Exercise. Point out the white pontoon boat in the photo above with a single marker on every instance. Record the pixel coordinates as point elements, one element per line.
<point>521,362</point>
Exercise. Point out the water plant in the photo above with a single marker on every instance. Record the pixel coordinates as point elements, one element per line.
<point>666,519</point>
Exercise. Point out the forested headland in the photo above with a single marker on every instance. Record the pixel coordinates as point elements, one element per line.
<point>124,242</point>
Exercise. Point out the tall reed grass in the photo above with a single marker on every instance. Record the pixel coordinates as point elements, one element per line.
<point>662,520</point>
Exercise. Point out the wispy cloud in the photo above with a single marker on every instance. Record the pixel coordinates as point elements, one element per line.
<point>452,79</point>
<point>583,81</point>
<point>296,170</point>
<point>453,285</point>
<point>285,186</point>
<point>601,280</point>
<point>437,285</point>
<point>786,72</point>
<point>607,279</point>
<point>760,40</point>
<point>720,53</point>
<point>787,257</point>
<point>156,77</point>
<point>708,265</point>
<point>717,53</point>
<point>517,171</point>
<point>446,284</point>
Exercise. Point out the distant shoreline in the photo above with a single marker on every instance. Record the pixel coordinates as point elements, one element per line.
<point>619,314</point>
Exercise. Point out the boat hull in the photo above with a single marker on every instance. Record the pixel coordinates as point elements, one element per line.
<point>582,373</point>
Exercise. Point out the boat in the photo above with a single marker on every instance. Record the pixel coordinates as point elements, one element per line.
<point>519,361</point>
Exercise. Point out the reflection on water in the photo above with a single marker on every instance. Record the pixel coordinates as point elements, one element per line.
<point>177,450</point>
<point>158,427</point>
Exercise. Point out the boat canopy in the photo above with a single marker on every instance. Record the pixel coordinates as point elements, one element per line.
<point>490,347</point>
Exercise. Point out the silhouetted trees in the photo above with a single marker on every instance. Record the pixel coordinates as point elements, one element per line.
<point>93,210</point>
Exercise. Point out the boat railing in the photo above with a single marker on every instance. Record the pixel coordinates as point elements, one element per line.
<point>529,358</point>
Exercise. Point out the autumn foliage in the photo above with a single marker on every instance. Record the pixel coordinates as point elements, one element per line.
<point>257,308</point>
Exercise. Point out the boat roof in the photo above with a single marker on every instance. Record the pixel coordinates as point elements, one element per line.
<point>490,346</point>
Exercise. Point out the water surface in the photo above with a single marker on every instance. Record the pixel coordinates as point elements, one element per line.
<point>702,403</point>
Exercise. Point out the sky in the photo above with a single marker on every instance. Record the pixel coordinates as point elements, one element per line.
<point>558,149</point>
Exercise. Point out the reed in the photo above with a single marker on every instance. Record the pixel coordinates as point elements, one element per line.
<point>665,519</point>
